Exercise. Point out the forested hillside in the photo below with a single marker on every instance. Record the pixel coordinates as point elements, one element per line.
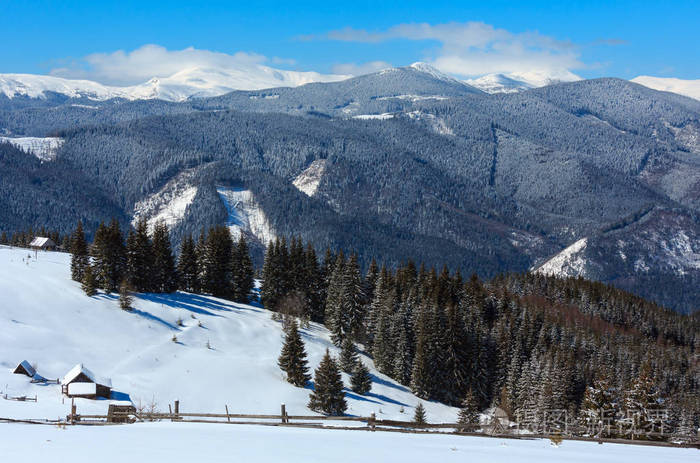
<point>414,163</point>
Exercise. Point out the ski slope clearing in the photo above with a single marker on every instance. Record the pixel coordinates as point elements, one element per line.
<point>231,359</point>
<point>175,442</point>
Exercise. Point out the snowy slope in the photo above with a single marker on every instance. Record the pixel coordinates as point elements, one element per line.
<point>43,148</point>
<point>198,82</point>
<point>245,215</point>
<point>46,319</point>
<point>187,442</point>
<point>690,88</point>
<point>307,182</point>
<point>568,263</point>
<point>170,203</point>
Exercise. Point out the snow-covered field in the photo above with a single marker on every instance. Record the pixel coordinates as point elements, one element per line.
<point>46,319</point>
<point>175,442</point>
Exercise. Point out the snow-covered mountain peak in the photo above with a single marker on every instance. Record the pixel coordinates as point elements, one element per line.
<point>428,69</point>
<point>522,80</point>
<point>499,83</point>
<point>186,83</point>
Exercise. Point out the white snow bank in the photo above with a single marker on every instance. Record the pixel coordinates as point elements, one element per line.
<point>186,442</point>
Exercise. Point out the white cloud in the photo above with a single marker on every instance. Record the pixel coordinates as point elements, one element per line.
<point>355,69</point>
<point>476,48</point>
<point>137,66</point>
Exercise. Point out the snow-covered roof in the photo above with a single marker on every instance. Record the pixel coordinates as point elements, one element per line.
<point>41,241</point>
<point>27,367</point>
<point>80,368</point>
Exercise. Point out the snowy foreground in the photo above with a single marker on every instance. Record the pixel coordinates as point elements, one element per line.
<point>47,320</point>
<point>175,442</point>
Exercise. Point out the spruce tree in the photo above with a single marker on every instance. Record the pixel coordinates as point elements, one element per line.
<point>361,380</point>
<point>314,289</point>
<point>109,256</point>
<point>455,350</point>
<point>3,238</point>
<point>348,357</point>
<point>80,259</point>
<point>328,396</point>
<point>292,360</point>
<point>275,274</point>
<point>216,271</point>
<point>469,413</point>
<point>419,417</point>
<point>125,298</point>
<point>164,276</point>
<point>188,266</point>
<point>598,397</point>
<point>642,397</point>
<point>334,300</point>
<point>89,285</point>
<point>139,258</point>
<point>242,270</point>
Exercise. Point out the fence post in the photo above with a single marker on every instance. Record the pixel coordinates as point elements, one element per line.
<point>73,411</point>
<point>177,409</point>
<point>372,419</point>
<point>283,413</point>
<point>170,408</point>
<point>228,418</point>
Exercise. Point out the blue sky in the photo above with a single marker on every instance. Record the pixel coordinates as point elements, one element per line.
<point>592,38</point>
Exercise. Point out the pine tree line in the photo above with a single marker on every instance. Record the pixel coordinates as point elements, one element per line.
<point>22,239</point>
<point>520,342</point>
<point>145,262</point>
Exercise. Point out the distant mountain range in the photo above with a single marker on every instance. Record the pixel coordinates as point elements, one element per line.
<point>596,178</point>
<point>208,82</point>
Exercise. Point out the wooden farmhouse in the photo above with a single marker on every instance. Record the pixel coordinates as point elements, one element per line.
<point>24,368</point>
<point>43,243</point>
<point>81,382</point>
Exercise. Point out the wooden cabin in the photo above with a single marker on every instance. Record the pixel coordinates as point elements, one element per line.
<point>42,243</point>
<point>24,368</point>
<point>81,382</point>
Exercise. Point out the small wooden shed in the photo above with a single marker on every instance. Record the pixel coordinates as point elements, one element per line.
<point>43,243</point>
<point>25,368</point>
<point>81,382</point>
<point>497,421</point>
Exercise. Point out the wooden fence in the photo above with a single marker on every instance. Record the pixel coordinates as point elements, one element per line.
<point>360,423</point>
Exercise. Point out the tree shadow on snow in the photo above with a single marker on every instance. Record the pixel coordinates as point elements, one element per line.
<point>386,399</point>
<point>361,398</point>
<point>182,303</point>
<point>154,318</point>
<point>383,382</point>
